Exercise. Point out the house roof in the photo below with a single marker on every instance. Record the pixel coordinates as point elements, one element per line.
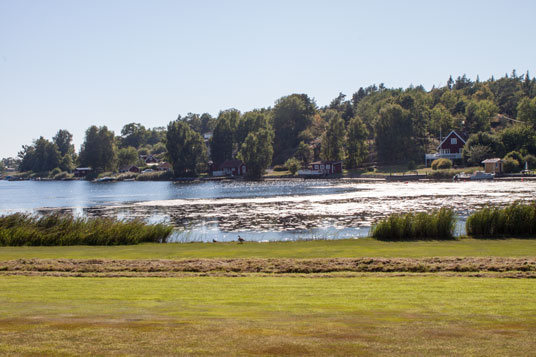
<point>326,162</point>
<point>227,164</point>
<point>83,169</point>
<point>462,137</point>
<point>491,161</point>
<point>165,164</point>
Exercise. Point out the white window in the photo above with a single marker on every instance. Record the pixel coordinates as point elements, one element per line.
<point>453,141</point>
<point>321,167</point>
<point>328,166</point>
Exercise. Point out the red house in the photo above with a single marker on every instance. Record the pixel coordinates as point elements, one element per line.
<point>230,168</point>
<point>450,148</point>
<point>325,167</point>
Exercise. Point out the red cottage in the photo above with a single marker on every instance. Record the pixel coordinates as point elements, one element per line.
<point>450,148</point>
<point>230,168</point>
<point>327,167</point>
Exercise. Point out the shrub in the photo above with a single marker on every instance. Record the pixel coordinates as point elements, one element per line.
<point>441,164</point>
<point>54,172</point>
<point>517,219</point>
<point>510,165</point>
<point>280,168</point>
<point>57,229</point>
<point>412,165</point>
<point>293,165</point>
<point>416,226</point>
<point>62,175</point>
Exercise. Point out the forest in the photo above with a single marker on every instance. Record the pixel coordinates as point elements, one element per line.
<point>374,126</point>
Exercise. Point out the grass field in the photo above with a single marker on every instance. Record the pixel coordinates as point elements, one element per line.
<point>270,315</point>
<point>348,248</point>
<point>267,316</point>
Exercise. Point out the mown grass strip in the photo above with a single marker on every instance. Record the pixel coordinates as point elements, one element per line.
<point>21,229</point>
<point>267,316</point>
<point>343,248</point>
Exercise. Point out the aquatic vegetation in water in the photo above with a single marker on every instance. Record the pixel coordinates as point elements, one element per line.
<point>59,229</point>
<point>415,226</point>
<point>517,219</point>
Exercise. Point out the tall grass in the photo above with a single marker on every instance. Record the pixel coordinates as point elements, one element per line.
<point>416,226</point>
<point>58,229</point>
<point>517,219</point>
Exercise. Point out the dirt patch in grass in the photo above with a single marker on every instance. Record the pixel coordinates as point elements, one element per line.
<point>475,266</point>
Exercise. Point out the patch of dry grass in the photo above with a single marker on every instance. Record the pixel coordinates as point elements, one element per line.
<point>267,316</point>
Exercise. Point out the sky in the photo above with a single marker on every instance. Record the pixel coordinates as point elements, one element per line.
<point>72,64</point>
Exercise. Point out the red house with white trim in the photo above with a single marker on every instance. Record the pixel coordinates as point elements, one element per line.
<point>451,148</point>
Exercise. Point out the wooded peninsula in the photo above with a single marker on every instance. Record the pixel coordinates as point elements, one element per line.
<point>374,126</point>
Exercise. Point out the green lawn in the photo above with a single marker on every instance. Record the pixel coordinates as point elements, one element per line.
<point>263,316</point>
<point>365,247</point>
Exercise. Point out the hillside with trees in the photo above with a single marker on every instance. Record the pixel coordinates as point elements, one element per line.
<point>374,126</point>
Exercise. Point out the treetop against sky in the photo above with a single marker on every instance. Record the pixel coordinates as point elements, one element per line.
<point>70,65</point>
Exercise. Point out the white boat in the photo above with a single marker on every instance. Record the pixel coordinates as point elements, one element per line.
<point>481,175</point>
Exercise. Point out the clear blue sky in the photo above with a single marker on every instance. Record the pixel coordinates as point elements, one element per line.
<point>70,64</point>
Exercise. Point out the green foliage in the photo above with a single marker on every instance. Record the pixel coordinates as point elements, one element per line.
<point>251,122</point>
<point>304,153</point>
<point>154,176</point>
<point>416,226</point>
<point>518,137</point>
<point>186,149</point>
<point>530,160</point>
<point>56,229</point>
<point>256,152</point>
<point>128,156</point>
<point>292,115</point>
<point>393,134</point>
<point>42,156</point>
<point>134,135</point>
<point>99,150</point>
<point>478,115</point>
<point>54,172</point>
<point>63,141</point>
<point>517,219</point>
<point>526,111</point>
<point>333,140</point>
<point>357,143</point>
<point>484,145</point>
<point>223,139</point>
<point>293,165</point>
<point>510,165</point>
<point>441,164</point>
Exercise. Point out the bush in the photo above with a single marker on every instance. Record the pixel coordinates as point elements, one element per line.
<point>57,229</point>
<point>62,175</point>
<point>510,165</point>
<point>280,168</point>
<point>512,158</point>
<point>441,164</point>
<point>517,219</point>
<point>54,172</point>
<point>416,226</point>
<point>293,165</point>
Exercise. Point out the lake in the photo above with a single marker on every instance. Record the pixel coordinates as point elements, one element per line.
<point>260,211</point>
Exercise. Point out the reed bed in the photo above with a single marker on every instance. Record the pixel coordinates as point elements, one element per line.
<point>438,225</point>
<point>57,229</point>
<point>517,219</point>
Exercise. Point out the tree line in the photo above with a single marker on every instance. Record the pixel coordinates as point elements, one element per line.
<point>375,125</point>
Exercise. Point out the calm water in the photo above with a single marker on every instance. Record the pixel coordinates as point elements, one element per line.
<point>271,210</point>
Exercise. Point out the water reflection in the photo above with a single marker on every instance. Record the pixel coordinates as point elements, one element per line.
<point>260,211</point>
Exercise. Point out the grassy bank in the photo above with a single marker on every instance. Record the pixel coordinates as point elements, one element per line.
<point>346,248</point>
<point>267,316</point>
<point>21,229</point>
